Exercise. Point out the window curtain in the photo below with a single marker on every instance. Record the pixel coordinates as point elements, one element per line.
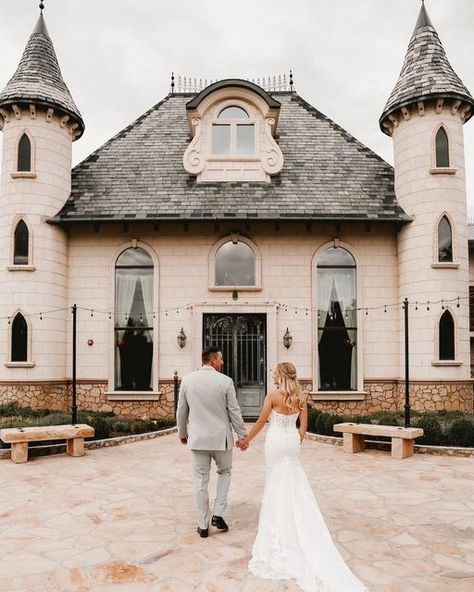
<point>125,286</point>
<point>344,282</point>
<point>325,289</point>
<point>147,291</point>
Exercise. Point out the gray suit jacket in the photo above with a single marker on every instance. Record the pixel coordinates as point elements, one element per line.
<point>207,409</point>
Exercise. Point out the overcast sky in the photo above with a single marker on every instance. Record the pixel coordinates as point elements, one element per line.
<point>117,56</point>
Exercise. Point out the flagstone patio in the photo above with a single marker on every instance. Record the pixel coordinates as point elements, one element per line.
<point>123,519</point>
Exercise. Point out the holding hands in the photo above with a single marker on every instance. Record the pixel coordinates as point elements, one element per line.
<point>242,444</point>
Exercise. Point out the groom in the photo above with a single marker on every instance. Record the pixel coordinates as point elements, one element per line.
<point>207,409</point>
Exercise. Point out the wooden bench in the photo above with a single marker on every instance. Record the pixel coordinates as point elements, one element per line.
<point>19,438</point>
<point>402,438</point>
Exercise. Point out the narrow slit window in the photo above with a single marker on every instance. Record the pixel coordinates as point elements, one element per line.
<point>446,336</point>
<point>24,154</point>
<point>19,339</point>
<point>442,148</point>
<point>445,241</point>
<point>21,244</point>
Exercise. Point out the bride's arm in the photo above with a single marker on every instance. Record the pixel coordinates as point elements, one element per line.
<point>303,421</point>
<point>261,421</point>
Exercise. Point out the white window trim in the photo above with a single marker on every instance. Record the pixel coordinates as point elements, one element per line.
<point>436,264</point>
<point>14,266</point>
<point>235,238</point>
<point>436,361</point>
<point>436,170</point>
<point>29,362</point>
<point>137,395</point>
<point>31,174</point>
<point>251,120</point>
<point>315,392</point>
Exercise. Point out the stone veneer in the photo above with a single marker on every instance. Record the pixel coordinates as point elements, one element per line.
<point>390,396</point>
<point>381,396</point>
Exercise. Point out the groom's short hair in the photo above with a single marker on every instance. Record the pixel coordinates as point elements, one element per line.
<point>208,353</point>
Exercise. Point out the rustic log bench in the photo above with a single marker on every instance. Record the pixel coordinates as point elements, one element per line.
<point>402,438</point>
<point>19,438</point>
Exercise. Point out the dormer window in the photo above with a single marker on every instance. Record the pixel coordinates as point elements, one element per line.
<point>232,125</point>
<point>233,132</point>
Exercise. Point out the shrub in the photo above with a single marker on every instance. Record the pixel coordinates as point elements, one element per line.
<point>461,432</point>
<point>319,424</point>
<point>329,423</point>
<point>432,431</point>
<point>313,414</point>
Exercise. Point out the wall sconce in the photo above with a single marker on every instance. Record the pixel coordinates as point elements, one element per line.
<point>287,339</point>
<point>181,338</point>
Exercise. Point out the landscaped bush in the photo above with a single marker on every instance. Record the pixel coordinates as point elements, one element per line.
<point>446,428</point>
<point>105,423</point>
<point>461,432</point>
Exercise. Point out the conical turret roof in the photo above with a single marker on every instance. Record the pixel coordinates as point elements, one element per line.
<point>38,78</point>
<point>426,72</point>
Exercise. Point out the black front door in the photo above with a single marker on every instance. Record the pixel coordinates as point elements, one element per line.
<point>242,340</point>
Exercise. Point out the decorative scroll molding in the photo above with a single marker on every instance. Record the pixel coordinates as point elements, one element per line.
<point>193,159</point>
<point>272,156</point>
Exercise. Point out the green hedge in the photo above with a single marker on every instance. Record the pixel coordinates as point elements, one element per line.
<point>446,428</point>
<point>105,423</point>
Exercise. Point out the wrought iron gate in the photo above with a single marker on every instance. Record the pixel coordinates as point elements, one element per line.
<point>242,340</point>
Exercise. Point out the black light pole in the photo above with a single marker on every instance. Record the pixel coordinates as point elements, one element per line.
<point>176,392</point>
<point>74,335</point>
<point>407,367</point>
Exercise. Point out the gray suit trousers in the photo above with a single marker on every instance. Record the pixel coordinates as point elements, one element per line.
<point>202,466</point>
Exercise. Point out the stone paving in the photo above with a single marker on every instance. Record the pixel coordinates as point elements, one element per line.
<point>122,519</point>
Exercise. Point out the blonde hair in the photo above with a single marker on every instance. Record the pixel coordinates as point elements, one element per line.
<point>290,388</point>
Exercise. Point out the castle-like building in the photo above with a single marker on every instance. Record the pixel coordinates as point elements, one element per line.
<point>236,215</point>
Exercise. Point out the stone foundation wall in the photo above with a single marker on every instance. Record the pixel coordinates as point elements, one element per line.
<point>390,396</point>
<point>381,396</point>
<point>57,396</point>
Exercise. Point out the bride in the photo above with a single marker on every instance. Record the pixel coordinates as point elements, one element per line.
<point>292,540</point>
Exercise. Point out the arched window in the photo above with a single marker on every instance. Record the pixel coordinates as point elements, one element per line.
<point>446,336</point>
<point>21,244</point>
<point>235,265</point>
<point>134,272</point>
<point>19,339</point>
<point>24,154</point>
<point>233,132</point>
<point>442,148</point>
<point>445,241</point>
<point>337,320</point>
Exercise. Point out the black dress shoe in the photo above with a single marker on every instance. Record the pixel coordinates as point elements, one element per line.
<point>219,523</point>
<point>203,532</point>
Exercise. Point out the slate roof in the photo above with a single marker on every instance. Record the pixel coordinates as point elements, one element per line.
<point>426,72</point>
<point>38,78</point>
<point>139,175</point>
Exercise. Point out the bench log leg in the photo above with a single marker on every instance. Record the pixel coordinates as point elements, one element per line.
<point>402,448</point>
<point>19,452</point>
<point>353,442</point>
<point>75,446</point>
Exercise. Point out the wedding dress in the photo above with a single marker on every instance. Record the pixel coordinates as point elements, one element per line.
<point>293,540</point>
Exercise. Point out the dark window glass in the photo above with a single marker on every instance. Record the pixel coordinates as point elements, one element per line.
<point>233,112</point>
<point>337,320</point>
<point>471,308</point>
<point>235,265</point>
<point>24,153</point>
<point>442,148</point>
<point>445,241</point>
<point>20,255</point>
<point>446,336</point>
<point>134,321</point>
<point>19,339</point>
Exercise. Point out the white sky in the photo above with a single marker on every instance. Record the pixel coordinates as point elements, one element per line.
<point>117,56</point>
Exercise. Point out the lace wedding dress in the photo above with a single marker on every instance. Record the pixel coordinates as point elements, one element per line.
<point>293,540</point>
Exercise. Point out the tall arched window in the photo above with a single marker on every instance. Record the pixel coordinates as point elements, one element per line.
<point>446,336</point>
<point>233,132</point>
<point>445,241</point>
<point>337,320</point>
<point>19,343</point>
<point>235,265</point>
<point>21,244</point>
<point>134,315</point>
<point>442,148</point>
<point>24,154</point>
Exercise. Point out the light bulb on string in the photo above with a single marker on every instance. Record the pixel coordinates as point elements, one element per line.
<point>41,316</point>
<point>92,313</point>
<point>458,305</point>
<point>442,304</point>
<point>385,308</point>
<point>428,305</point>
<point>416,305</point>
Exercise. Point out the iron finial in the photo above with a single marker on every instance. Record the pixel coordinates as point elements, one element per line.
<point>41,6</point>
<point>172,82</point>
<point>291,80</point>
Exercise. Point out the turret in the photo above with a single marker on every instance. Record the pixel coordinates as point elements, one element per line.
<point>40,121</point>
<point>425,115</point>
